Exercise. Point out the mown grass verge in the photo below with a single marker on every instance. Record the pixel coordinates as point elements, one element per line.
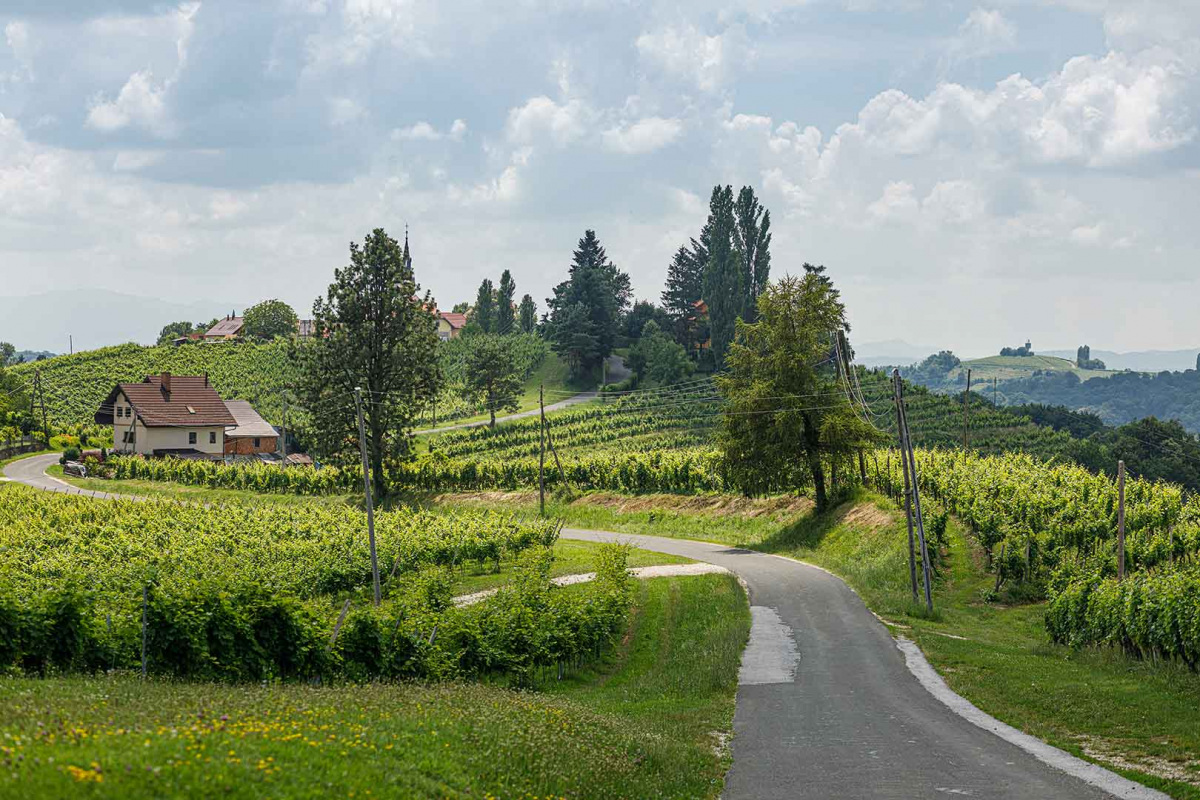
<point>643,724</point>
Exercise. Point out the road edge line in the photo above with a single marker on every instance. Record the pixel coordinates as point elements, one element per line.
<point>1093,774</point>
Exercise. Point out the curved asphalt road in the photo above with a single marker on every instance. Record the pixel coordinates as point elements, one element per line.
<point>826,706</point>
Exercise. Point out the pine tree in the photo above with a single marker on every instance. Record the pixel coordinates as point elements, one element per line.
<point>602,290</point>
<point>528,314</point>
<point>723,274</point>
<point>505,320</point>
<point>752,236</point>
<point>485,308</point>
<point>685,287</point>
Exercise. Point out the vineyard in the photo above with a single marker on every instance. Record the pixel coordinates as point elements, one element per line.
<point>1054,528</point>
<point>248,592</point>
<point>529,352</point>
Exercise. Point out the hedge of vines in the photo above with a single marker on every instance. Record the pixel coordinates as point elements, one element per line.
<point>237,592</point>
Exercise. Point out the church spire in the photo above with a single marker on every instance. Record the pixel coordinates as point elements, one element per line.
<point>407,256</point>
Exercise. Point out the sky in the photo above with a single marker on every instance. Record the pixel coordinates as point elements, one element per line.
<point>972,175</point>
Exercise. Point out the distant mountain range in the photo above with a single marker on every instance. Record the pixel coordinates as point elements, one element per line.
<point>892,352</point>
<point>89,318</point>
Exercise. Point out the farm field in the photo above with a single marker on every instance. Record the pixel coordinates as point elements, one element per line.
<point>1005,368</point>
<point>642,722</point>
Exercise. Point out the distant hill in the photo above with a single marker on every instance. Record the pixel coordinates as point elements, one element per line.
<point>1142,360</point>
<point>1005,368</point>
<point>892,352</point>
<point>32,355</point>
<point>95,318</point>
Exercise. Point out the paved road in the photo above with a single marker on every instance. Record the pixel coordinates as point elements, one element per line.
<point>827,708</point>
<point>616,372</point>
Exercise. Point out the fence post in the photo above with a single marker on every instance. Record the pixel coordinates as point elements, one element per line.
<point>1120,520</point>
<point>144,599</point>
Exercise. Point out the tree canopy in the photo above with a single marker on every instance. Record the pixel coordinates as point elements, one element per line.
<point>269,319</point>
<point>382,339</point>
<point>484,313</point>
<point>657,359</point>
<point>585,309</point>
<point>528,315</point>
<point>492,377</point>
<point>505,310</point>
<point>785,416</point>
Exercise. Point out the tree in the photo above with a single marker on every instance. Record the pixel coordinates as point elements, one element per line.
<point>505,319</point>
<point>643,311</point>
<point>461,308</point>
<point>752,235</point>
<point>381,338</point>
<point>269,319</point>
<point>492,377</point>
<point>8,354</point>
<point>723,274</point>
<point>685,288</point>
<point>485,307</point>
<point>528,315</point>
<point>657,359</point>
<point>173,330</point>
<point>596,285</point>
<point>784,414</point>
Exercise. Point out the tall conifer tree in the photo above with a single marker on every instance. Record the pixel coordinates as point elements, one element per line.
<point>505,313</point>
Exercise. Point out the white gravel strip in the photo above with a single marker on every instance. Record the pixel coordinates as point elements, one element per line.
<point>660,571</point>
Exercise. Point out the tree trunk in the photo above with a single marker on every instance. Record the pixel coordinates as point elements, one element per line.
<point>818,476</point>
<point>492,411</point>
<point>375,452</point>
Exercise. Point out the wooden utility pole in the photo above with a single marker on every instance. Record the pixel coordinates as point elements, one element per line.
<point>966,413</point>
<point>908,515</point>
<point>40,390</point>
<point>362,446</point>
<point>283,439</point>
<point>993,390</point>
<point>1120,520</point>
<point>542,451</point>
<point>907,452</point>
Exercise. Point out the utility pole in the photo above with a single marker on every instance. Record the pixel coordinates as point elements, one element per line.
<point>966,412</point>
<point>71,343</point>
<point>542,451</point>
<point>362,446</point>
<point>908,512</point>
<point>41,396</point>
<point>907,452</point>
<point>994,401</point>
<point>1120,520</point>
<point>283,439</point>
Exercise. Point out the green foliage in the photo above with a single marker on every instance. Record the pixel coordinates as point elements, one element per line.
<point>505,310</point>
<point>683,290</point>
<point>724,273</point>
<point>528,315</point>
<point>585,310</point>
<point>784,409</point>
<point>8,354</point>
<point>269,319</point>
<point>752,237</point>
<point>528,352</point>
<point>173,330</point>
<point>657,359</point>
<point>484,313</point>
<point>492,376</point>
<point>382,340</point>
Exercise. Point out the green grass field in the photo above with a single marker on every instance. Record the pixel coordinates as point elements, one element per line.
<point>644,723</point>
<point>1007,367</point>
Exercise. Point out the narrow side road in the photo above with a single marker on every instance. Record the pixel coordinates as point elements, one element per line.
<point>827,707</point>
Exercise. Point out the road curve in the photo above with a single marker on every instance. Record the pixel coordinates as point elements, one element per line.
<point>827,708</point>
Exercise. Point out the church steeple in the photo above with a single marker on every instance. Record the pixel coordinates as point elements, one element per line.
<point>407,256</point>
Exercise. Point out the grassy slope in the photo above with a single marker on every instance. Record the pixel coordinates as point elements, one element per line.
<point>1132,716</point>
<point>642,725</point>
<point>1006,367</point>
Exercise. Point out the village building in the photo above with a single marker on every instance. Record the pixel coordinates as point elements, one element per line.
<point>178,415</point>
<point>252,434</point>
<point>228,328</point>
<point>450,325</point>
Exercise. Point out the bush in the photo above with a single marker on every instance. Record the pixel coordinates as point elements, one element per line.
<point>70,454</point>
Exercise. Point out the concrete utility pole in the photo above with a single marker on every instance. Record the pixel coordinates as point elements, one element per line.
<point>362,446</point>
<point>907,452</point>
<point>908,510</point>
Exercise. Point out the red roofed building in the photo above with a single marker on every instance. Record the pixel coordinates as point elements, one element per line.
<point>228,328</point>
<point>450,324</point>
<point>167,415</point>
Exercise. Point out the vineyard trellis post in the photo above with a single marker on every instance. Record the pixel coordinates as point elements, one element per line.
<point>145,599</point>
<point>967,412</point>
<point>906,453</point>
<point>283,438</point>
<point>908,511</point>
<point>542,451</point>
<point>362,446</point>
<point>1120,520</point>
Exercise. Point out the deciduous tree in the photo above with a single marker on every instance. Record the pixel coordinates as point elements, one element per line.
<point>505,313</point>
<point>269,319</point>
<point>752,237</point>
<point>492,378</point>
<point>528,314</point>
<point>723,274</point>
<point>484,314</point>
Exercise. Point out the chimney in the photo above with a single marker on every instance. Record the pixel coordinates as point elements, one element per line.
<point>166,384</point>
<point>206,380</point>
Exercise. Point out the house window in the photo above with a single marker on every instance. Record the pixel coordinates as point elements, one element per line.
<point>256,441</point>
<point>120,412</point>
<point>212,437</point>
<point>191,437</point>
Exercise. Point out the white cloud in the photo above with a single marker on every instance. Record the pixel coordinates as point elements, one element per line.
<point>345,111</point>
<point>541,116</point>
<point>897,202</point>
<point>16,34</point>
<point>985,31</point>
<point>134,160</point>
<point>687,52</point>
<point>644,136</point>
<point>141,102</point>
<point>423,131</point>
